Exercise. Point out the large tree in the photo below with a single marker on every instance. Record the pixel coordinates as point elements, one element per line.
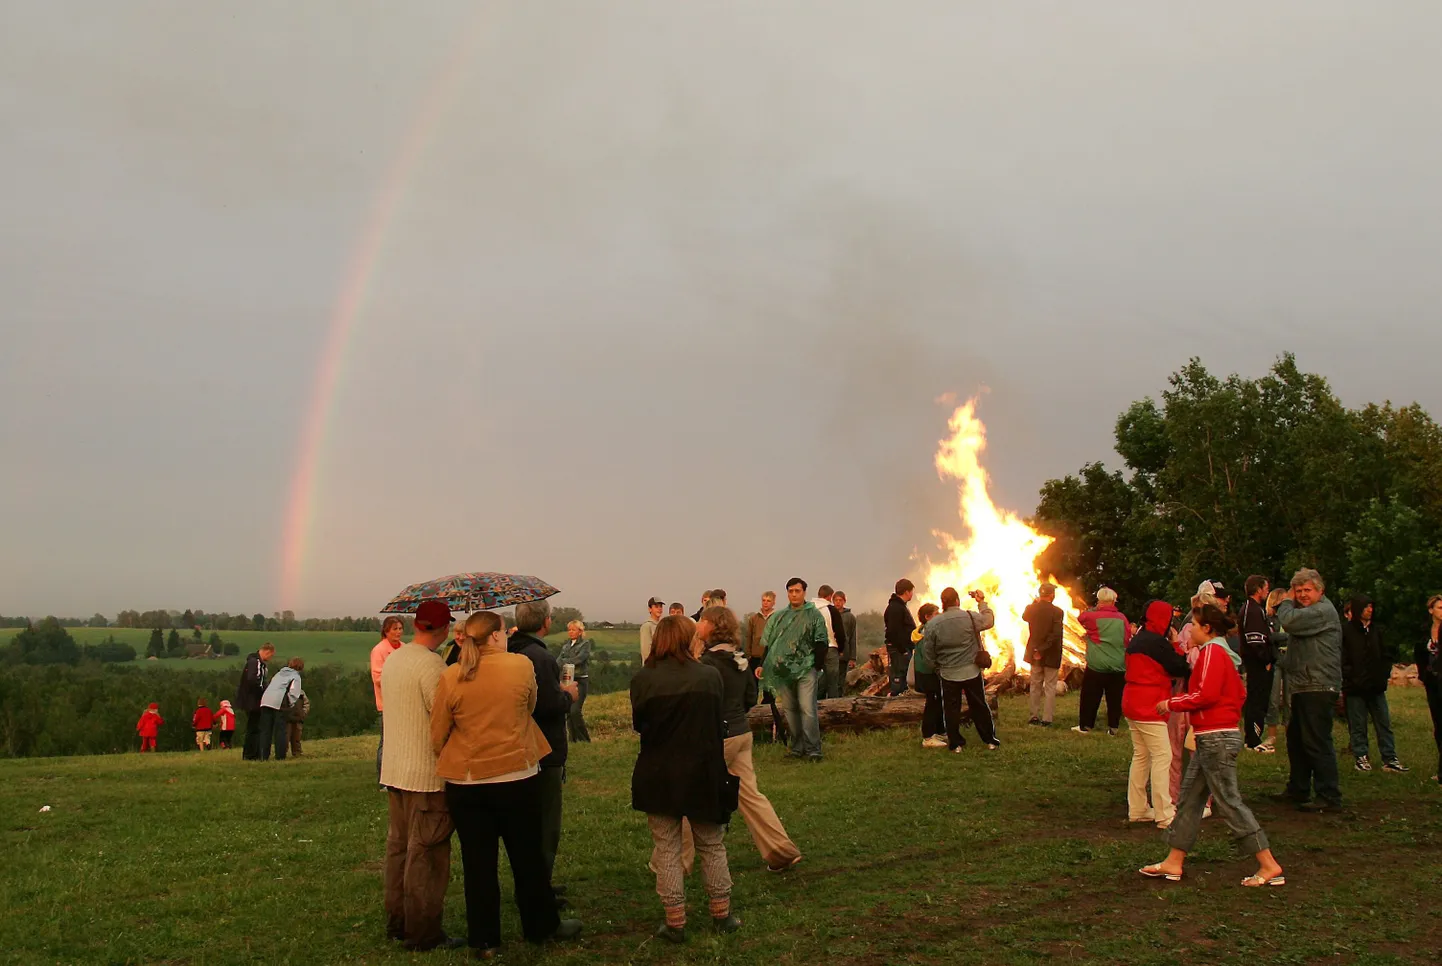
<point>1228,477</point>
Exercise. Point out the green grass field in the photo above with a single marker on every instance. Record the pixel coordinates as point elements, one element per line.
<point>1022,856</point>
<point>348,648</point>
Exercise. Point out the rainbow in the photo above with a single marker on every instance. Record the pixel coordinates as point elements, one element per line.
<point>360,270</point>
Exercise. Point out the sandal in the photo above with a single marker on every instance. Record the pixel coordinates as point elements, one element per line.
<point>1156,872</point>
<point>1265,749</point>
<point>1256,881</point>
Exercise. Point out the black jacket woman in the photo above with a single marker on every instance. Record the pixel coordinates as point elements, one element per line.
<point>1429,671</point>
<point>677,707</point>
<point>718,634</point>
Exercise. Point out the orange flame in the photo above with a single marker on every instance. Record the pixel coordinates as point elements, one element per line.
<point>999,555</point>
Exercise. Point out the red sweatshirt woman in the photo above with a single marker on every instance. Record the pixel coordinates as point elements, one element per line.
<point>148,727</point>
<point>1217,694</point>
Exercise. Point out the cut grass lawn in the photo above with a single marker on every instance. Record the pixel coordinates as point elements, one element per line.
<point>912,856</point>
<point>347,648</point>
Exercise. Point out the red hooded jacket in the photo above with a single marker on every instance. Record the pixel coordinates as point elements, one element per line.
<point>1152,663</point>
<point>203,719</point>
<point>1216,693</point>
<point>149,724</point>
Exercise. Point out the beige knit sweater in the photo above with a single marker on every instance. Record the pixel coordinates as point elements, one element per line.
<point>408,689</point>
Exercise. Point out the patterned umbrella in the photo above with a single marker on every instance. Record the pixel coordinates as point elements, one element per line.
<point>472,592</point>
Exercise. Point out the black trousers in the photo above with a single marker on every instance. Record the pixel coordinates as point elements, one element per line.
<point>1259,698</point>
<point>575,722</point>
<point>551,782</point>
<point>1310,750</point>
<point>1094,685</point>
<point>251,749</point>
<point>1434,704</point>
<point>933,721</point>
<point>272,733</point>
<point>486,815</point>
<point>975,692</point>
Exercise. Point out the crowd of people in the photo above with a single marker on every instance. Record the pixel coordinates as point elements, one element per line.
<point>474,744</point>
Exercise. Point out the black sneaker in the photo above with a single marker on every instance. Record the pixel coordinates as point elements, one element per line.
<point>1033,721</point>
<point>1396,767</point>
<point>677,936</point>
<point>1319,808</point>
<point>726,924</point>
<point>1364,763</point>
<point>1111,732</point>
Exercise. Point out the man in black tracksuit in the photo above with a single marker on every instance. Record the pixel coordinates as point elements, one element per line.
<point>899,625</point>
<point>1258,658</point>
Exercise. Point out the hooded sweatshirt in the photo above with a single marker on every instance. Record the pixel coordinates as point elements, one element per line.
<point>149,724</point>
<point>1366,671</point>
<point>225,717</point>
<point>1152,664</point>
<point>203,719</point>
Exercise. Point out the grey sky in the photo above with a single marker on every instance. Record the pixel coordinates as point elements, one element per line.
<point>671,289</point>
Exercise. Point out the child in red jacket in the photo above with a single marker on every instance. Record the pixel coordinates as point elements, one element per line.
<point>225,721</point>
<point>1214,700</point>
<point>202,721</point>
<point>148,727</point>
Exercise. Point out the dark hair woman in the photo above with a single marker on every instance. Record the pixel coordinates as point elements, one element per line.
<point>720,636</point>
<point>488,749</point>
<point>677,707</point>
<point>1214,702</point>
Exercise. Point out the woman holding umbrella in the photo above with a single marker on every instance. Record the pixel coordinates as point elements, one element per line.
<point>488,750</point>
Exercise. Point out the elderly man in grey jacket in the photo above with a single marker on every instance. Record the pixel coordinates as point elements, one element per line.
<point>951,643</point>
<point>1314,676</point>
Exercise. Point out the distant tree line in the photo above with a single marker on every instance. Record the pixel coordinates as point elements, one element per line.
<point>92,709</point>
<point>1230,477</point>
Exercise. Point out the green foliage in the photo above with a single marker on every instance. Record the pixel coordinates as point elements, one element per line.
<point>1231,477</point>
<point>1393,558</point>
<point>156,647</point>
<point>108,651</point>
<point>561,616</point>
<point>230,649</point>
<point>44,643</point>
<point>173,647</point>
<point>99,620</point>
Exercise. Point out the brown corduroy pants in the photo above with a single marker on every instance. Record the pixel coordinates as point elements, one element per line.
<point>418,866</point>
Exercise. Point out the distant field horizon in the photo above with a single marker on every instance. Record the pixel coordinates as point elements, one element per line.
<point>347,648</point>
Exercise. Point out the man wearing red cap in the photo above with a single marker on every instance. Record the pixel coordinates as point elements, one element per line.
<point>418,840</point>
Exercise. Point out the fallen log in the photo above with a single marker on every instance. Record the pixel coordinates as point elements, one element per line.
<point>858,713</point>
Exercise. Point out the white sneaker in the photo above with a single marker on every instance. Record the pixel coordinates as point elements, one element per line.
<point>1081,731</point>
<point>933,742</point>
<point>1207,812</point>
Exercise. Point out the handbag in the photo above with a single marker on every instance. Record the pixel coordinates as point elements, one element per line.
<point>983,659</point>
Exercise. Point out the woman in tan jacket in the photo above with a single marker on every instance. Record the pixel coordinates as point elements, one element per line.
<point>488,751</point>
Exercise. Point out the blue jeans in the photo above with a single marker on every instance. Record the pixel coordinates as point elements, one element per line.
<point>798,701</point>
<point>1213,772</point>
<point>1359,708</point>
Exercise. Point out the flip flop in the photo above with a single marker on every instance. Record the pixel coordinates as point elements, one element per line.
<point>1256,881</point>
<point>1155,872</point>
